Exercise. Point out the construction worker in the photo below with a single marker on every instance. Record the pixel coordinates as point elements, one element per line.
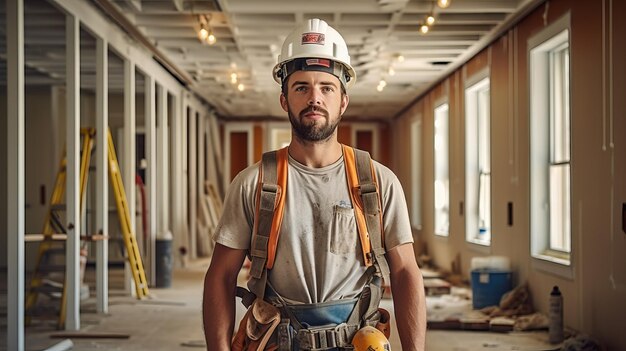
<point>312,276</point>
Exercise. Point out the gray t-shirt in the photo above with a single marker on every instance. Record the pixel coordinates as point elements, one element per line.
<point>318,256</point>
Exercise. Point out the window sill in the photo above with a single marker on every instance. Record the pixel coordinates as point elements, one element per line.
<point>482,247</point>
<point>553,265</point>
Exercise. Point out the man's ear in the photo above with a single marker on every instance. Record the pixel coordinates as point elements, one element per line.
<point>345,99</point>
<point>283,102</point>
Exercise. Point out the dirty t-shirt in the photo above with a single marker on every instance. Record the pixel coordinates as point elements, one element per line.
<point>318,256</point>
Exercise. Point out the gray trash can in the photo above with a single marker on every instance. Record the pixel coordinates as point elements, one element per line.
<point>163,263</point>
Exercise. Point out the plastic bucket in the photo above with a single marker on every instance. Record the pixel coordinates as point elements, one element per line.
<point>163,263</point>
<point>488,286</point>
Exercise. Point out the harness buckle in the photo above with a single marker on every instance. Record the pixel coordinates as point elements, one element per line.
<point>367,188</point>
<point>284,335</point>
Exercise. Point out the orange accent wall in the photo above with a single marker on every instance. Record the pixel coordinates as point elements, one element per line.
<point>385,146</point>
<point>238,152</point>
<point>344,134</point>
<point>258,142</point>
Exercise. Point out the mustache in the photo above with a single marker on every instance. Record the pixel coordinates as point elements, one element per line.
<point>314,109</point>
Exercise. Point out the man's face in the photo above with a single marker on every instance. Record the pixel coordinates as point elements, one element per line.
<point>314,103</point>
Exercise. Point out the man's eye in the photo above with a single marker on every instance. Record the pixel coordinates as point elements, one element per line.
<point>327,89</point>
<point>300,88</point>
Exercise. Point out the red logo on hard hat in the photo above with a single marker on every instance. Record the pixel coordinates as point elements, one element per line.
<point>318,62</point>
<point>313,38</point>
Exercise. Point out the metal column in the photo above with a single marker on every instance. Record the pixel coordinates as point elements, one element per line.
<point>128,159</point>
<point>72,194</point>
<point>162,142</point>
<point>15,174</point>
<point>150,181</point>
<point>191,180</point>
<point>102,175</point>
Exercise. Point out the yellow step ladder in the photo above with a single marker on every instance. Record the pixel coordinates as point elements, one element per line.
<point>123,213</point>
<point>52,239</point>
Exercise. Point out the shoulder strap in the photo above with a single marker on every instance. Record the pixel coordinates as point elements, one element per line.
<point>366,200</point>
<point>268,217</point>
<point>270,203</point>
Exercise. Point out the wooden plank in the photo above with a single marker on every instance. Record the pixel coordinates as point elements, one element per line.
<point>84,335</point>
<point>61,237</point>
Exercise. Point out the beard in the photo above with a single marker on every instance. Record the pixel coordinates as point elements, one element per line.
<point>313,130</point>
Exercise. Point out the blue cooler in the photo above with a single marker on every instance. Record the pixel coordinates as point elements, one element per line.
<point>488,286</point>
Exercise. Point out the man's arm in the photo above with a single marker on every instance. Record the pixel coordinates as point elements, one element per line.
<point>218,305</point>
<point>407,287</point>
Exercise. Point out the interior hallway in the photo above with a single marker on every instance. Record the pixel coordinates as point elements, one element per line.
<point>172,321</point>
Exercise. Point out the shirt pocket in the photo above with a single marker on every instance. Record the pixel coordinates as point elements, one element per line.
<point>343,238</point>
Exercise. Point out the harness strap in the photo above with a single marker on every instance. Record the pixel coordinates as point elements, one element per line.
<point>353,184</point>
<point>323,338</point>
<point>268,218</point>
<point>368,189</point>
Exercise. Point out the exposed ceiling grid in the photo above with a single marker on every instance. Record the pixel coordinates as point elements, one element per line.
<point>249,36</point>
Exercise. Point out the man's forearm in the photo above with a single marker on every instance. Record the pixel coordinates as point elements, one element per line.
<point>218,313</point>
<point>410,308</point>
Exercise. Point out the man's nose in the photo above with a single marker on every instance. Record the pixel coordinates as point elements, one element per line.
<point>315,97</point>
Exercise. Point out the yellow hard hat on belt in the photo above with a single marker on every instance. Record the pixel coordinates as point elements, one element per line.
<point>370,339</point>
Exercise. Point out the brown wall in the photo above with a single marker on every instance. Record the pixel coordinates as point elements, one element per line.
<point>258,143</point>
<point>344,135</point>
<point>594,298</point>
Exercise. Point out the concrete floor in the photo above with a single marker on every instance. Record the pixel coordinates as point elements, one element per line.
<point>172,321</point>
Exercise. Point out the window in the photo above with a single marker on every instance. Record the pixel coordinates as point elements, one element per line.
<point>478,163</point>
<point>560,227</point>
<point>551,224</point>
<point>442,186</point>
<point>416,174</point>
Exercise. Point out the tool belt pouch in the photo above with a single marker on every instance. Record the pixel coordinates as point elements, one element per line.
<point>380,320</point>
<point>384,322</point>
<point>256,327</point>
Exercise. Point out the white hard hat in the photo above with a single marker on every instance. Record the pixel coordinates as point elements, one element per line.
<point>315,45</point>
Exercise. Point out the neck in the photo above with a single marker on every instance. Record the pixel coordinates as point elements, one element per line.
<point>315,154</point>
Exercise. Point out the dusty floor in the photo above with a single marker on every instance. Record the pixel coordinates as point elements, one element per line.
<point>172,321</point>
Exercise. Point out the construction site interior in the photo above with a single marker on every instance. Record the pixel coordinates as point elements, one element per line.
<point>123,124</point>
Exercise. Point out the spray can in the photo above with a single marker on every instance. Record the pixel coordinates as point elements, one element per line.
<point>555,332</point>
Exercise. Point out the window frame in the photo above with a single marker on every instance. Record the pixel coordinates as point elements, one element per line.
<point>444,105</point>
<point>478,83</point>
<point>541,97</point>
<point>416,173</point>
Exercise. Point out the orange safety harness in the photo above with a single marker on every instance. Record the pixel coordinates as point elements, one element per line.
<point>270,202</point>
<point>271,193</point>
